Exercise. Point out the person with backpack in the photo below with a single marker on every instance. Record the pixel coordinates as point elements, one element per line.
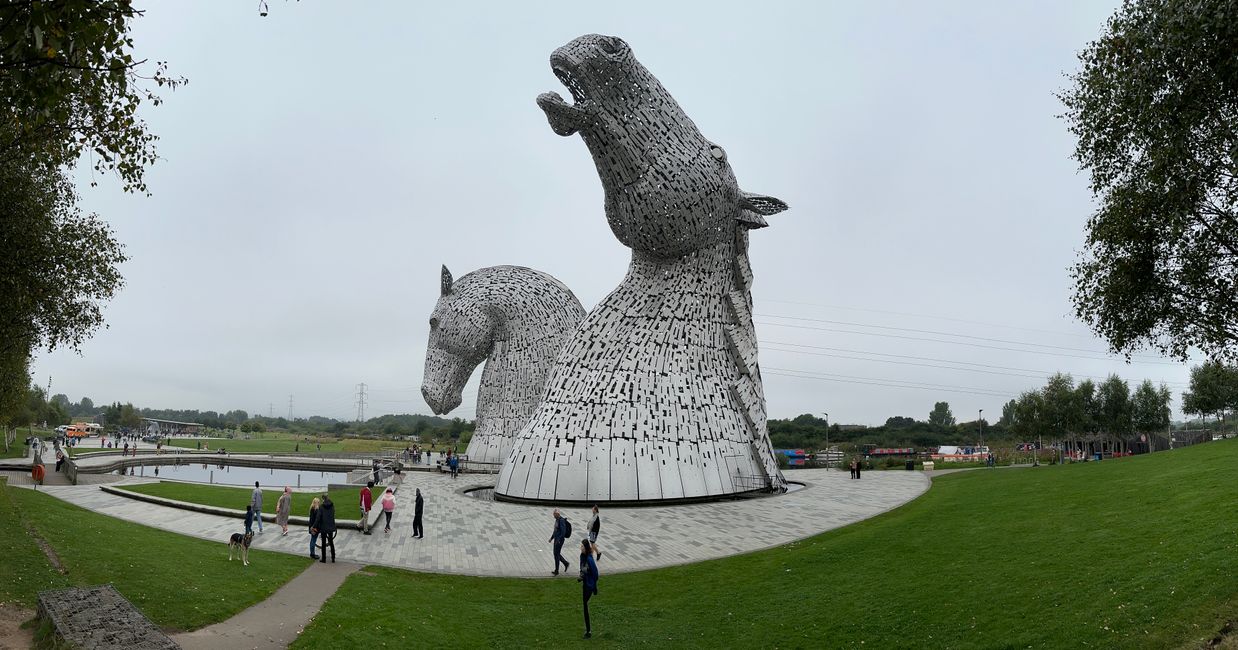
<point>326,528</point>
<point>588,579</point>
<point>562,531</point>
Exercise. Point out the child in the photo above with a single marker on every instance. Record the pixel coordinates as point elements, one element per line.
<point>388,503</point>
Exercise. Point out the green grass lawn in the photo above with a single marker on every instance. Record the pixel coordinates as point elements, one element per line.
<point>18,448</point>
<point>347,502</point>
<point>179,582</point>
<point>1132,553</point>
<point>26,569</point>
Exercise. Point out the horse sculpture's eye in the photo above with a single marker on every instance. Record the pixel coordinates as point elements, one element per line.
<point>433,323</point>
<point>611,45</point>
<point>717,152</point>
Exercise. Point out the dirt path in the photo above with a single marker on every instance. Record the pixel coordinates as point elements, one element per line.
<point>12,636</point>
<point>276,621</point>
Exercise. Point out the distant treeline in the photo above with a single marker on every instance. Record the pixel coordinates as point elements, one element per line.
<point>59,410</point>
<point>809,432</point>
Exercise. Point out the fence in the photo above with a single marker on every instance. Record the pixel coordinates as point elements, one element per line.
<point>752,483</point>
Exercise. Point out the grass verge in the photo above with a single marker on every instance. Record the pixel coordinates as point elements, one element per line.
<point>179,582</point>
<point>1132,553</point>
<point>346,501</point>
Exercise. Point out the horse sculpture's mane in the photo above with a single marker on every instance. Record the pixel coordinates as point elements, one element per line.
<point>516,320</point>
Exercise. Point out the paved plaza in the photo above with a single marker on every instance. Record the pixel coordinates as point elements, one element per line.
<point>471,536</point>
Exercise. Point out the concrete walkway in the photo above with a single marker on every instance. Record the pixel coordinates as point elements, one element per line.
<point>275,622</point>
<point>471,536</point>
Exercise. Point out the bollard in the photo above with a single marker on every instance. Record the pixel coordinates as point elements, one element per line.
<point>212,477</point>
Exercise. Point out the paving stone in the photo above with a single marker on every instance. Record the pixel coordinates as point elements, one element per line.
<point>471,536</point>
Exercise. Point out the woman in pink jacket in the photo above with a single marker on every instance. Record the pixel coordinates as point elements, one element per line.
<point>388,504</point>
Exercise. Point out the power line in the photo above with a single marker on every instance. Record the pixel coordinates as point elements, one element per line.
<point>290,408</point>
<point>935,332</point>
<point>973,345</point>
<point>891,381</point>
<point>1039,373</point>
<point>863,382</point>
<point>945,318</point>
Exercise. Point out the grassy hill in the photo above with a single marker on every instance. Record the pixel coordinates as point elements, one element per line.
<point>1130,553</point>
<point>180,583</point>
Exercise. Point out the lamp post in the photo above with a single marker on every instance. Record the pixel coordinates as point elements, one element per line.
<point>828,456</point>
<point>980,423</point>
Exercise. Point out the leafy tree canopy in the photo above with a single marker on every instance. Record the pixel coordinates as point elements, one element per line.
<point>1155,110</point>
<point>59,265</point>
<point>940,416</point>
<point>1214,390</point>
<point>70,85</point>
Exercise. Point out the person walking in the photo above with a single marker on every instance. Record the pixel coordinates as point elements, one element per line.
<point>388,504</point>
<point>283,508</point>
<point>249,519</point>
<point>255,500</point>
<point>588,579</point>
<point>418,504</point>
<point>326,528</point>
<point>313,527</point>
<point>558,536</point>
<point>367,500</point>
<point>595,527</point>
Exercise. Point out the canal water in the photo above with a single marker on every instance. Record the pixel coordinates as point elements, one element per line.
<point>234,475</point>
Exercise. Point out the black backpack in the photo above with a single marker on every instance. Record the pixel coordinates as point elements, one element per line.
<point>567,528</point>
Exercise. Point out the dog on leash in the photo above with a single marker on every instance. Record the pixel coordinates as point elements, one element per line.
<point>240,542</point>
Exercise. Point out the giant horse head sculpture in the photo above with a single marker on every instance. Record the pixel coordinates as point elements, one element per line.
<point>461,336</point>
<point>514,318</point>
<point>669,190</point>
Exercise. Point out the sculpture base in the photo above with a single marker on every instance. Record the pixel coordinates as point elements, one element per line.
<point>733,496</point>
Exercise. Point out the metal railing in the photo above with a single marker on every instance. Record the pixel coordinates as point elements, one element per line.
<point>752,483</point>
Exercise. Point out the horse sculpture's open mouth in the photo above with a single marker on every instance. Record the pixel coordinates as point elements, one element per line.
<point>565,119</point>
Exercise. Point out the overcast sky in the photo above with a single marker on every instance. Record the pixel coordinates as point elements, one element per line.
<point>325,160</point>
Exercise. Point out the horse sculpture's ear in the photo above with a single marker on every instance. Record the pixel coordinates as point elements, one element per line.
<point>753,208</point>
<point>446,282</point>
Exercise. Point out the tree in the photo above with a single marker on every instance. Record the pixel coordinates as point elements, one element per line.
<point>85,407</point>
<point>1062,410</point>
<point>1008,410</point>
<point>1154,109</point>
<point>1089,407</point>
<point>1115,414</point>
<point>1214,390</point>
<point>1150,408</point>
<point>941,417</point>
<point>71,86</point>
<point>59,265</point>
<point>900,422</point>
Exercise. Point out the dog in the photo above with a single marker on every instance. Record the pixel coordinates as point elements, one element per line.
<point>240,542</point>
